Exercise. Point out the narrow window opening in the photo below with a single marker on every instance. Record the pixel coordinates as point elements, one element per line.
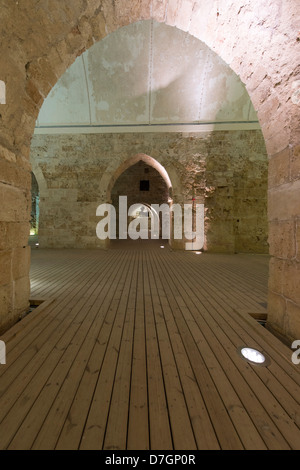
<point>2,92</point>
<point>144,185</point>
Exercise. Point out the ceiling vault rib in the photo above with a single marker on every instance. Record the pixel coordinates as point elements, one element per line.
<point>163,124</point>
<point>249,109</point>
<point>87,88</point>
<point>204,75</point>
<point>150,71</point>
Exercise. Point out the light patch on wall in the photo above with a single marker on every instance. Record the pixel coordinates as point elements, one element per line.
<point>104,106</point>
<point>2,353</point>
<point>296,92</point>
<point>2,92</point>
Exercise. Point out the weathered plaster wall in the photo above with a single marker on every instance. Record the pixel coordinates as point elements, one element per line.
<point>150,73</point>
<point>15,206</point>
<point>227,171</point>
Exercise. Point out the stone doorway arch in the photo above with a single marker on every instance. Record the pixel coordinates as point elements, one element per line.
<point>111,176</point>
<point>245,36</point>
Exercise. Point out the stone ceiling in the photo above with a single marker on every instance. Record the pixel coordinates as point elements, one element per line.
<point>146,75</point>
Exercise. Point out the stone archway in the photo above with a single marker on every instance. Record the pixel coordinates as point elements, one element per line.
<point>260,43</point>
<point>35,197</point>
<point>112,175</point>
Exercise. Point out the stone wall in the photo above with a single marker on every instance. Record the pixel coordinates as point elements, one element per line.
<point>227,171</point>
<point>15,206</point>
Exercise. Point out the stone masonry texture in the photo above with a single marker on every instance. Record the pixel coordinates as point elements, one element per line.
<point>227,171</point>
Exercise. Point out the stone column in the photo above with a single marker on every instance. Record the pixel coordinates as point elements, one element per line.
<point>284,219</point>
<point>284,239</point>
<point>15,205</point>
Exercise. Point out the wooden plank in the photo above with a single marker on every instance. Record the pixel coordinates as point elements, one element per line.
<point>73,427</point>
<point>259,335</point>
<point>181,427</point>
<point>117,423</point>
<point>159,424</point>
<point>251,331</point>
<point>94,432</point>
<point>81,273</point>
<point>138,426</point>
<point>22,348</point>
<point>204,431</point>
<point>216,419</point>
<point>99,313</point>
<point>40,367</point>
<point>59,275</point>
<point>62,278</point>
<point>274,409</point>
<point>138,350</point>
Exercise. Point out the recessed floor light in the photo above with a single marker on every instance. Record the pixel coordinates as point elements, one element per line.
<point>198,252</point>
<point>253,356</point>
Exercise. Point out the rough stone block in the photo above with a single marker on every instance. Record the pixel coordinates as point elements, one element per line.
<point>276,310</point>
<point>276,273</point>
<point>20,262</point>
<point>279,168</point>
<point>283,201</point>
<point>180,15</point>
<point>13,175</point>
<point>271,104</point>
<point>14,234</point>
<point>295,163</point>
<point>14,204</point>
<point>40,72</point>
<point>290,281</point>
<point>7,154</point>
<point>33,93</point>
<point>159,10</point>
<point>277,138</point>
<point>5,270</point>
<point>22,293</point>
<point>292,320</point>
<point>282,240</point>
<point>5,306</point>
<point>298,239</point>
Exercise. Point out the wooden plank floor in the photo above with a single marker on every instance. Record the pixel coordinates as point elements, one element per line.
<point>136,348</point>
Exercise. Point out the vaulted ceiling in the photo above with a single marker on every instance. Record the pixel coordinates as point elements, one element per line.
<point>146,74</point>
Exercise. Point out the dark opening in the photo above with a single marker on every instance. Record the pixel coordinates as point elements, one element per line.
<point>144,185</point>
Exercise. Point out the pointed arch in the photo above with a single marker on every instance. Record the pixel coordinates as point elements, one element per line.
<point>169,176</point>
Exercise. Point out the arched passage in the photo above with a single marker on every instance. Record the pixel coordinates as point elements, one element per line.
<point>143,182</point>
<point>43,53</point>
<point>35,210</point>
<point>147,160</point>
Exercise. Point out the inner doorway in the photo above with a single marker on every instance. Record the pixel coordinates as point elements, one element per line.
<point>143,186</point>
<point>35,211</point>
